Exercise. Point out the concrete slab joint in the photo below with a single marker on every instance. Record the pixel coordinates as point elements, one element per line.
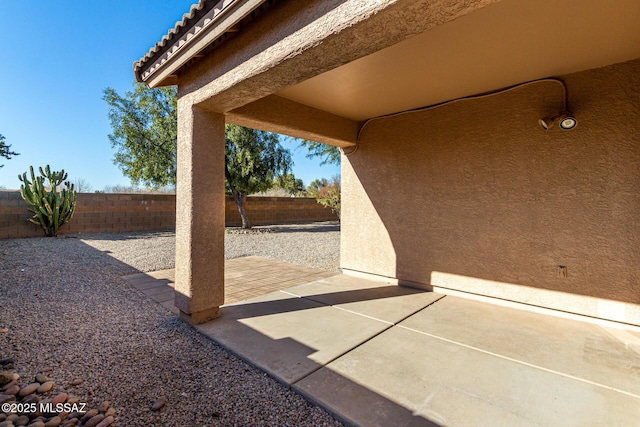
<point>200,213</point>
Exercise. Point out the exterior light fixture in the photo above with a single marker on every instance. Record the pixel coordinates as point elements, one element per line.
<point>565,120</point>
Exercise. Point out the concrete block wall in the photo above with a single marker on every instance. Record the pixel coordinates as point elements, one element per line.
<point>95,213</point>
<point>278,210</point>
<point>100,213</point>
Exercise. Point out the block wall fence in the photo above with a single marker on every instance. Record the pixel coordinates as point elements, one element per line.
<point>114,213</point>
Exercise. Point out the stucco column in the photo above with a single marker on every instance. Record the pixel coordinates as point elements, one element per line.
<point>199,278</point>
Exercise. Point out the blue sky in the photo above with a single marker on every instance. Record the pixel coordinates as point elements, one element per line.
<point>56,58</point>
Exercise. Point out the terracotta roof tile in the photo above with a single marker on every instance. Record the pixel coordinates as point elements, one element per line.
<point>182,31</point>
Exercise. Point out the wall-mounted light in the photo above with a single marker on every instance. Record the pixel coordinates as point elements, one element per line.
<point>565,120</point>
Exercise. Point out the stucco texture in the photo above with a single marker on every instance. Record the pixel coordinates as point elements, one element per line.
<point>474,196</point>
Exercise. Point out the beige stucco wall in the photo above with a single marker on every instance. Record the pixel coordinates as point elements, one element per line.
<point>474,196</point>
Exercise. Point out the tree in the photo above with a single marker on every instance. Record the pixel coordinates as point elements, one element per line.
<point>315,186</point>
<point>290,184</point>
<point>328,195</point>
<point>82,185</point>
<point>144,124</point>
<point>253,159</point>
<point>328,153</point>
<point>4,150</point>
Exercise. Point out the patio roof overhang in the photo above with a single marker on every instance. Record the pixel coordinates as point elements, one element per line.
<point>343,62</point>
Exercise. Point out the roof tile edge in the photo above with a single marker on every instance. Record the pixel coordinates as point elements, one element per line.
<point>180,27</point>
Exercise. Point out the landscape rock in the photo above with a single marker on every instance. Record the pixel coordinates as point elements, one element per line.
<point>13,390</point>
<point>5,377</point>
<point>59,398</point>
<point>4,398</point>
<point>41,378</point>
<point>53,422</point>
<point>22,420</point>
<point>90,414</point>
<point>45,387</point>
<point>27,390</point>
<point>94,421</point>
<point>158,403</point>
<point>106,422</point>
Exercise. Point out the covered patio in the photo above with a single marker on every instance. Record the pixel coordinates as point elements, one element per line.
<point>448,180</point>
<point>375,354</point>
<point>490,168</point>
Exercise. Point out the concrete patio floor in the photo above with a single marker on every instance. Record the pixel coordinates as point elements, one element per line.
<point>376,354</point>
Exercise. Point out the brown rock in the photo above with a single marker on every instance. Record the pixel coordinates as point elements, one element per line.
<point>75,415</point>
<point>106,422</point>
<point>32,398</point>
<point>6,424</point>
<point>27,390</point>
<point>46,369</point>
<point>4,398</point>
<point>73,400</point>
<point>7,386</point>
<point>15,377</point>
<point>3,416</point>
<point>45,387</point>
<point>22,420</point>
<point>70,422</point>
<point>77,381</point>
<point>41,378</point>
<point>60,398</point>
<point>158,404</point>
<point>4,330</point>
<point>110,411</point>
<point>13,390</point>
<point>94,421</point>
<point>5,377</point>
<point>36,424</point>
<point>90,414</point>
<point>53,422</point>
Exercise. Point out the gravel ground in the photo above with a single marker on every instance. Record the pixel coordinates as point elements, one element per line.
<point>64,305</point>
<point>314,245</point>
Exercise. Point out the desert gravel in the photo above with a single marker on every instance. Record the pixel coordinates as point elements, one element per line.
<point>65,306</point>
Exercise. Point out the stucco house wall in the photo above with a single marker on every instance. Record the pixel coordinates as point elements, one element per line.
<point>473,196</point>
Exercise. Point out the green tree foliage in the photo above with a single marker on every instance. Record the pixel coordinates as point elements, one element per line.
<point>315,186</point>
<point>253,160</point>
<point>5,149</point>
<point>328,153</point>
<point>51,208</point>
<point>289,183</point>
<point>144,125</point>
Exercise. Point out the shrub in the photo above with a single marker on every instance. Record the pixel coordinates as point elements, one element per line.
<point>329,195</point>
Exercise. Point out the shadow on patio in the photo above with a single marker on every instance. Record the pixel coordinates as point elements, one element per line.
<point>376,354</point>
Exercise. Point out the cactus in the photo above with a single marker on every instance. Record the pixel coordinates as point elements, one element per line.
<point>51,209</point>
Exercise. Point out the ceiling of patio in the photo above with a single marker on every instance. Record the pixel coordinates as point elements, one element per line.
<point>510,42</point>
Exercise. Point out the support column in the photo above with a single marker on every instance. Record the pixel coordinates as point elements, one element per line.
<point>199,278</point>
